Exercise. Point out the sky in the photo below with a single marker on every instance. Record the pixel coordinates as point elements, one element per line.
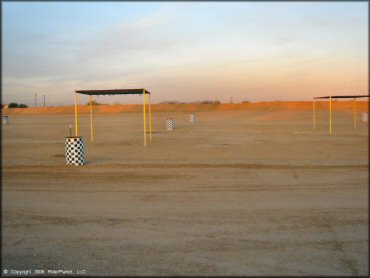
<point>183,51</point>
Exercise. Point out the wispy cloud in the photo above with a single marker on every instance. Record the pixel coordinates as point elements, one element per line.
<point>124,39</point>
<point>155,18</point>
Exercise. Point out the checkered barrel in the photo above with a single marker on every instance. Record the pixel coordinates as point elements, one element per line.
<point>74,151</point>
<point>5,120</point>
<point>192,118</point>
<point>170,124</point>
<point>364,117</point>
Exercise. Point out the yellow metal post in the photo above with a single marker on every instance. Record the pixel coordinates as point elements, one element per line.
<point>330,115</point>
<point>150,117</point>
<point>76,115</point>
<point>354,112</point>
<point>91,120</point>
<point>144,96</point>
<point>314,115</point>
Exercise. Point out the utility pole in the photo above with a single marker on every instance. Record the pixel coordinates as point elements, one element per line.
<point>35,100</point>
<point>44,101</point>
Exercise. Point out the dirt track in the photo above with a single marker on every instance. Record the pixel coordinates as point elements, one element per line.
<point>238,193</point>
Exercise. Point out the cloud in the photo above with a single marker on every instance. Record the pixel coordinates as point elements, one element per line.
<point>125,40</point>
<point>155,18</point>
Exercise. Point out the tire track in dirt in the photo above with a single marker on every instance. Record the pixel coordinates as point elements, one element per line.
<point>191,165</point>
<point>348,263</point>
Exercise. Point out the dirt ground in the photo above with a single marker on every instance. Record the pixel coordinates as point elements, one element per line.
<point>237,193</point>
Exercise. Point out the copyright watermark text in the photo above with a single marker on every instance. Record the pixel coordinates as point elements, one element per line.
<point>47,272</point>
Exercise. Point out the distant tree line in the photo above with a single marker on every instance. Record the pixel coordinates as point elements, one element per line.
<point>210,102</point>
<point>197,102</point>
<point>94,103</point>
<point>16,105</point>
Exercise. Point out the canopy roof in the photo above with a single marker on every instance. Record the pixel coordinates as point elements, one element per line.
<point>113,92</point>
<point>357,96</point>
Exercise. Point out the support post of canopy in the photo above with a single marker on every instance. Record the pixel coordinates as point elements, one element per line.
<point>144,101</point>
<point>76,115</point>
<point>354,113</point>
<point>314,115</point>
<point>91,120</point>
<point>150,117</point>
<point>330,116</point>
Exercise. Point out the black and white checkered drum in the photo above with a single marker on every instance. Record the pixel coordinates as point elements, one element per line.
<point>364,117</point>
<point>5,120</point>
<point>192,118</point>
<point>74,151</point>
<point>170,124</point>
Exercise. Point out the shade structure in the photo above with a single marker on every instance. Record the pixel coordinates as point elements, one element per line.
<point>113,92</point>
<point>354,97</point>
<point>91,93</point>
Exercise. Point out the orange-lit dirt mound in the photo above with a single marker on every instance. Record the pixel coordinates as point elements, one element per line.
<point>348,106</point>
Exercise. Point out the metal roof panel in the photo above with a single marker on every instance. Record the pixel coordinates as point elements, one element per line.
<point>113,92</point>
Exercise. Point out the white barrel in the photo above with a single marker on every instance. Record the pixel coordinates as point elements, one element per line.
<point>74,147</point>
<point>170,124</point>
<point>5,120</point>
<point>192,118</point>
<point>364,117</point>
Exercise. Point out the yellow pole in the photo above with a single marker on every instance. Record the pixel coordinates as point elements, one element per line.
<point>91,120</point>
<point>314,115</point>
<point>144,96</point>
<point>76,115</point>
<point>150,117</point>
<point>330,116</point>
<point>355,120</point>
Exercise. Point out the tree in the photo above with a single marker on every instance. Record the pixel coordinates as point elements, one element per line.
<point>13,105</point>
<point>23,105</point>
<point>94,102</point>
<point>210,102</point>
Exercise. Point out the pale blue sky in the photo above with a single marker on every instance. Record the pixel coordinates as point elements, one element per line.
<point>184,51</point>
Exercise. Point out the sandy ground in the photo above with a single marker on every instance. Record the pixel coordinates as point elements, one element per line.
<point>238,193</point>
